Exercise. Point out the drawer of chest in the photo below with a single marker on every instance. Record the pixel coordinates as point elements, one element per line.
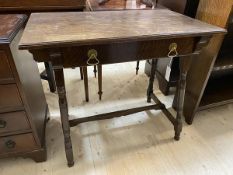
<point>9,96</point>
<point>17,143</point>
<point>13,122</point>
<point>5,71</point>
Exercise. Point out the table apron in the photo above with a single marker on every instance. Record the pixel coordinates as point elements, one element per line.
<point>75,56</point>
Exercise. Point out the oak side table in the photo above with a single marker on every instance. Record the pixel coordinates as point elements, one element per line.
<point>91,38</point>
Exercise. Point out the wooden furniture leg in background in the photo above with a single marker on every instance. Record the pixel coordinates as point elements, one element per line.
<point>60,83</point>
<point>151,81</point>
<point>85,75</point>
<point>137,67</point>
<point>85,78</point>
<point>81,73</point>
<point>95,71</point>
<point>100,81</point>
<point>48,75</point>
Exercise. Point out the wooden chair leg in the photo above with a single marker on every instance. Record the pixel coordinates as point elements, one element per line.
<point>100,81</point>
<point>137,68</point>
<point>81,73</point>
<point>95,71</point>
<point>85,75</point>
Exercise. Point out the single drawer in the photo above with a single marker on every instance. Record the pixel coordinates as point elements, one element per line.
<point>121,52</point>
<point>9,96</point>
<point>18,143</point>
<point>5,71</point>
<point>14,121</point>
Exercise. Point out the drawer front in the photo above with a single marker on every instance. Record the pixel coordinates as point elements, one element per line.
<point>9,96</point>
<point>14,121</point>
<point>122,52</point>
<point>5,71</point>
<point>18,143</point>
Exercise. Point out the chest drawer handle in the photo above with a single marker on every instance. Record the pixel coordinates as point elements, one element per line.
<point>10,144</point>
<point>2,124</point>
<point>92,58</point>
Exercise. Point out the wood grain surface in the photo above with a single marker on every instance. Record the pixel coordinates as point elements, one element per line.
<point>40,5</point>
<point>9,27</point>
<point>54,29</point>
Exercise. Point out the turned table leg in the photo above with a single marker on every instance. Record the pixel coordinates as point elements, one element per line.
<point>59,76</point>
<point>185,63</point>
<point>100,81</point>
<point>151,80</point>
<point>63,105</point>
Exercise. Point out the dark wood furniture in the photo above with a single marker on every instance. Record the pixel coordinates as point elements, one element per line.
<point>210,84</point>
<point>167,69</point>
<point>125,40</point>
<point>23,108</point>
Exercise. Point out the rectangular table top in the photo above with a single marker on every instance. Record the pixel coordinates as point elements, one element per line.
<point>83,28</point>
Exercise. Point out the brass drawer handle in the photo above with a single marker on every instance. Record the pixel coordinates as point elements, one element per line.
<point>172,50</point>
<point>2,124</point>
<point>10,144</point>
<point>92,58</point>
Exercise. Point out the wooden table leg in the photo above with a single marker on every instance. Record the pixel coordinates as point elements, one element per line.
<point>64,114</point>
<point>60,83</point>
<point>100,81</point>
<point>151,80</point>
<point>85,75</point>
<point>185,63</point>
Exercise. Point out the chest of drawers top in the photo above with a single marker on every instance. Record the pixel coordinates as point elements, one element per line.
<point>9,26</point>
<point>40,5</point>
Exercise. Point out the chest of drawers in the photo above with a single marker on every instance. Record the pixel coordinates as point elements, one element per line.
<point>23,108</point>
